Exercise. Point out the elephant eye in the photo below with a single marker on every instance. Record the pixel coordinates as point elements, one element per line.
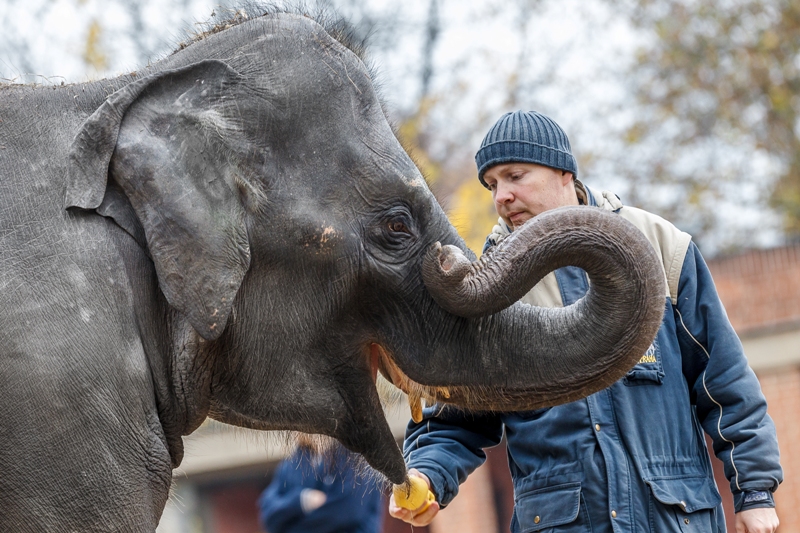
<point>395,232</point>
<point>398,226</point>
<point>395,229</point>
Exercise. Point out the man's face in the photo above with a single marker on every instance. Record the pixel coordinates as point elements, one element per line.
<point>523,190</point>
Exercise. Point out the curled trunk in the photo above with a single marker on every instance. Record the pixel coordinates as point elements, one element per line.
<point>513,357</point>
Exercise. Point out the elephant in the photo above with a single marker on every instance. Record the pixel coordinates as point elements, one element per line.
<point>235,232</point>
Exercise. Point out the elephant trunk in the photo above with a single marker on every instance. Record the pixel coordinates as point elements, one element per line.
<point>525,357</point>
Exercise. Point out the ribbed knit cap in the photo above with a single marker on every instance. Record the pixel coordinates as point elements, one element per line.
<point>525,137</point>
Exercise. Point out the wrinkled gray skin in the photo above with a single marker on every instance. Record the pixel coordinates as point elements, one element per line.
<point>226,234</point>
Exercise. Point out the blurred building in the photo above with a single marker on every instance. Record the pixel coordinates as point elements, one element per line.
<point>226,468</point>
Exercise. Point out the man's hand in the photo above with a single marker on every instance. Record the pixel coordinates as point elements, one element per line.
<point>763,520</point>
<point>415,517</point>
<point>312,499</point>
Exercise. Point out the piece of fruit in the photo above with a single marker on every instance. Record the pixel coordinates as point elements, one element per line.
<point>413,495</point>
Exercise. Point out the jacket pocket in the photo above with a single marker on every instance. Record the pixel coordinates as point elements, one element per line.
<point>548,507</point>
<point>683,504</point>
<point>648,371</point>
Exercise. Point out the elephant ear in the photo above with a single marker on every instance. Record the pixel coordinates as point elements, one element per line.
<point>170,142</point>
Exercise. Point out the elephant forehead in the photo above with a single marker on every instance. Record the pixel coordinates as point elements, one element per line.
<point>299,49</point>
<point>416,182</point>
<point>416,189</point>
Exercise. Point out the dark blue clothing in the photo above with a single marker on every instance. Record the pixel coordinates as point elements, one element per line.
<point>632,457</point>
<point>354,503</point>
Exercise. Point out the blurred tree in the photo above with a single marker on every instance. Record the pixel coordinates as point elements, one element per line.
<point>472,210</point>
<point>432,29</point>
<point>718,83</point>
<point>15,43</point>
<point>412,133</point>
<point>92,52</point>
<point>415,127</point>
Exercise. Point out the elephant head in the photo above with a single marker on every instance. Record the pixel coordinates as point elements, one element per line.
<point>291,231</point>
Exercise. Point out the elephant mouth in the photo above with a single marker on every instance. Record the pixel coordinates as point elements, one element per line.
<point>381,360</point>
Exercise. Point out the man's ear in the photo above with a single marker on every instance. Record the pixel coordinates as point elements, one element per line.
<point>165,140</point>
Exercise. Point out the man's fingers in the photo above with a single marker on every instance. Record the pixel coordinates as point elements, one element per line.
<point>426,517</point>
<point>398,512</point>
<point>421,519</point>
<point>401,514</point>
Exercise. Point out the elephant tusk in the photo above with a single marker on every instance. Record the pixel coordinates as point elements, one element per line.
<point>415,402</point>
<point>374,360</point>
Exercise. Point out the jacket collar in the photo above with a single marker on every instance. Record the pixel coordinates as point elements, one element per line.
<point>585,196</point>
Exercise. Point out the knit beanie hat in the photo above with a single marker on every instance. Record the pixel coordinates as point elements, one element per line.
<point>525,137</point>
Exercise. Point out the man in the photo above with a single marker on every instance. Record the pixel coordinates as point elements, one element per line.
<point>631,457</point>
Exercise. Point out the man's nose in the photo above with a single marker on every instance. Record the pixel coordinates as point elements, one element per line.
<point>504,194</point>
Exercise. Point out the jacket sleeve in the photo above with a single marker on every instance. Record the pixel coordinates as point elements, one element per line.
<point>279,504</point>
<point>447,446</point>
<point>725,390</point>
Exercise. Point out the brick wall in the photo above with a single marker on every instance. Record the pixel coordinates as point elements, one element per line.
<point>760,289</point>
<point>782,390</point>
<point>761,293</point>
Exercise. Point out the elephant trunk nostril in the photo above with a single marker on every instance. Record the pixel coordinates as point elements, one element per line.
<point>447,259</point>
<point>446,262</point>
<point>453,262</point>
<point>446,272</point>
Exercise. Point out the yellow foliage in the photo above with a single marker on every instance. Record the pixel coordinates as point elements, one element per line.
<point>473,213</point>
<point>780,97</point>
<point>770,40</point>
<point>92,54</point>
<point>411,133</point>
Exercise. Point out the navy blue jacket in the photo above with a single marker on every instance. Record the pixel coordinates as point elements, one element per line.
<point>354,503</point>
<point>633,456</point>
